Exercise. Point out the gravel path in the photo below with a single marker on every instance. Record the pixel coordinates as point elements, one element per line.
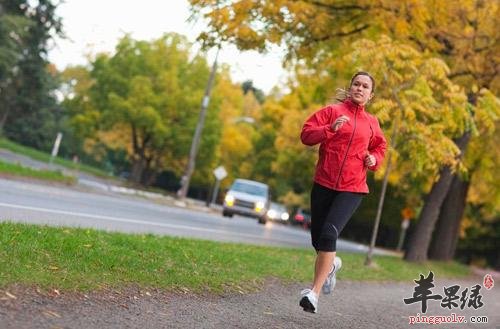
<point>352,305</point>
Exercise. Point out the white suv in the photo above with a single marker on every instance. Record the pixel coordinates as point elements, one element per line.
<point>246,197</point>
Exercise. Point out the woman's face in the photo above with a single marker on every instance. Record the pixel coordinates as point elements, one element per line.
<point>361,89</point>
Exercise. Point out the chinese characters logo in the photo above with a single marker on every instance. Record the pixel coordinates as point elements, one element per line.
<point>488,282</point>
<point>453,298</point>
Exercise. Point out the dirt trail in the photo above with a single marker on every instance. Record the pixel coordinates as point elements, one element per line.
<point>352,305</point>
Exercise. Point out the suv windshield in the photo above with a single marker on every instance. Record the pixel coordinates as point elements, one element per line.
<point>278,207</point>
<point>249,188</point>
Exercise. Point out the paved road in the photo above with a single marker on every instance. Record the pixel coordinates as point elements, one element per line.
<point>42,204</point>
<point>99,208</point>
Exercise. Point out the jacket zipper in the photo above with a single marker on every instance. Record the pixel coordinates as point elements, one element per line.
<point>348,146</point>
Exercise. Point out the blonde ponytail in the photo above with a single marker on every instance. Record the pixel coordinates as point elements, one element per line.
<point>341,94</point>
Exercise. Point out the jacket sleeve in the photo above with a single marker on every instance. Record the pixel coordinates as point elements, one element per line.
<point>317,127</point>
<point>378,145</point>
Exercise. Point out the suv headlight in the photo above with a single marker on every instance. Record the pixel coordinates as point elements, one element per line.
<point>259,205</point>
<point>272,214</point>
<point>229,199</point>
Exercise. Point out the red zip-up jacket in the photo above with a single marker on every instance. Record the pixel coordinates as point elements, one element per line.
<point>341,163</point>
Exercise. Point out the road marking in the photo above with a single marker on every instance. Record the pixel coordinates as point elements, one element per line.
<point>126,220</point>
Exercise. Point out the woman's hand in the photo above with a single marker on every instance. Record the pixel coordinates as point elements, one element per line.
<point>339,122</point>
<point>370,160</point>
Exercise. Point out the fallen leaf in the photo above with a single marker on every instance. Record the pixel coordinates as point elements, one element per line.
<point>10,295</point>
<point>51,313</point>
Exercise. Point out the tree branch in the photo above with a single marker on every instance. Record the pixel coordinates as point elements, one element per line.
<point>342,34</point>
<point>333,7</point>
<point>459,73</point>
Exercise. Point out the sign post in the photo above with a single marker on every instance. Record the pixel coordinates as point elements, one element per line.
<point>220,173</point>
<point>55,148</point>
<point>407,214</point>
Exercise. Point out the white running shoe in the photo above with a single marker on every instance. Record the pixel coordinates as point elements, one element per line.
<point>309,301</point>
<point>331,279</point>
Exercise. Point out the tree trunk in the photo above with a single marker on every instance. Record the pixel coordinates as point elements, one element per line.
<point>138,166</point>
<point>445,238</point>
<point>150,172</point>
<point>3,119</point>
<point>4,115</point>
<point>421,237</point>
<point>150,177</point>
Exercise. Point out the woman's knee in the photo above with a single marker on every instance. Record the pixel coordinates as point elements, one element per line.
<point>327,244</point>
<point>327,241</point>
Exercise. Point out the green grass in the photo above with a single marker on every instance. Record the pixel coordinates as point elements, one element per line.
<point>84,259</point>
<point>45,157</point>
<point>48,175</point>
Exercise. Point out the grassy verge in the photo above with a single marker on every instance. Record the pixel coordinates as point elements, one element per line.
<point>45,157</point>
<point>83,259</point>
<point>17,170</point>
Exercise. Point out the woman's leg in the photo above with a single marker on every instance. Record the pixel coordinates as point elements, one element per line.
<point>323,266</point>
<point>321,199</point>
<point>342,207</point>
<point>330,211</point>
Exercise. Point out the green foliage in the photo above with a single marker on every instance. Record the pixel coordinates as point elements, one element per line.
<point>417,104</point>
<point>28,108</point>
<point>145,100</point>
<point>12,29</point>
<point>480,232</point>
<point>485,156</point>
<point>248,86</point>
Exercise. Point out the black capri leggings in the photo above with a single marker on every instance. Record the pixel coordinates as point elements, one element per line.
<point>330,212</point>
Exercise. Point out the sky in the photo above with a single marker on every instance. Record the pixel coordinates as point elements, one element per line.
<point>94,26</point>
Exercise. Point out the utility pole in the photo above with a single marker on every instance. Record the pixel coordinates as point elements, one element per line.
<point>186,178</point>
<point>369,255</point>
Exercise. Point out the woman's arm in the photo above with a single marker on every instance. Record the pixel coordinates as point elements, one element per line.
<point>377,146</point>
<point>317,127</point>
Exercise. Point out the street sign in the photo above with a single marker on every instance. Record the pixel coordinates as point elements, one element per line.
<point>407,213</point>
<point>220,172</point>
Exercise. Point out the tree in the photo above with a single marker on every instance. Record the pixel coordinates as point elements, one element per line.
<point>236,149</point>
<point>466,42</point>
<point>12,31</point>
<point>248,86</point>
<point>483,196</point>
<point>29,110</point>
<point>315,32</point>
<point>144,100</point>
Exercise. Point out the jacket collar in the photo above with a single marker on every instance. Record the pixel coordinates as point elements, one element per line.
<point>353,106</point>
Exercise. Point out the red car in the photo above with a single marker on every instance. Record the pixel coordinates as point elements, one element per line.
<point>302,218</point>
